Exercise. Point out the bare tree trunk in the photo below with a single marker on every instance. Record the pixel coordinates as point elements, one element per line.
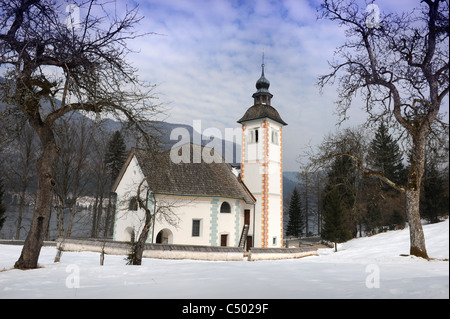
<point>107,217</point>
<point>94,216</point>
<point>417,237</point>
<point>39,225</point>
<point>140,244</point>
<point>60,215</point>
<point>113,213</point>
<point>21,206</point>
<point>99,214</point>
<point>72,215</point>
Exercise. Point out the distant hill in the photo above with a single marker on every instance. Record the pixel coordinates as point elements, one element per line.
<point>290,181</point>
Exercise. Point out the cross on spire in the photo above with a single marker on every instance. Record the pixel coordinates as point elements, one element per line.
<point>262,65</point>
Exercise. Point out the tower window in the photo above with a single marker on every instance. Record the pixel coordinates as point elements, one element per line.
<point>225,208</point>
<point>254,136</point>
<point>275,137</point>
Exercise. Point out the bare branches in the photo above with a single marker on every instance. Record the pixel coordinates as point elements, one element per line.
<point>401,60</point>
<point>88,67</point>
<point>351,143</point>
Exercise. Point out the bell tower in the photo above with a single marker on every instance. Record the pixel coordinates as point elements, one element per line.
<point>262,163</point>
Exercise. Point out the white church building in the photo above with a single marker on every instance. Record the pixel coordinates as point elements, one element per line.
<point>202,202</point>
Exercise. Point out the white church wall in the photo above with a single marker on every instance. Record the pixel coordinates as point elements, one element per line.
<point>127,220</point>
<point>186,210</point>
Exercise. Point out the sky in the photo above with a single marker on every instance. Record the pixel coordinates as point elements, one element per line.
<point>206,57</point>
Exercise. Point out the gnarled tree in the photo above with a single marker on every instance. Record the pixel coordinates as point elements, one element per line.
<point>401,68</point>
<point>52,67</point>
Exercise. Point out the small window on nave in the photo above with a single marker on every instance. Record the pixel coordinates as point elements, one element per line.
<point>225,208</point>
<point>133,205</point>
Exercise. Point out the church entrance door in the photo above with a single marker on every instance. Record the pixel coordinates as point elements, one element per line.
<point>223,240</point>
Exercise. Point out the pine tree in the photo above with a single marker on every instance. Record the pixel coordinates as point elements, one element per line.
<point>115,155</point>
<point>338,201</point>
<point>2,207</point>
<point>296,222</point>
<point>397,220</point>
<point>334,227</point>
<point>434,201</point>
<point>372,220</point>
<point>385,156</point>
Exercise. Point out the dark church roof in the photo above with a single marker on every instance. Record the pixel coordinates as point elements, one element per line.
<point>260,111</point>
<point>214,179</point>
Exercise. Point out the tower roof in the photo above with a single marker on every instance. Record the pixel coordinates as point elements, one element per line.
<point>262,106</point>
<point>260,111</point>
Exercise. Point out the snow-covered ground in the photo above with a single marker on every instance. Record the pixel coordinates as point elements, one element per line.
<point>368,267</point>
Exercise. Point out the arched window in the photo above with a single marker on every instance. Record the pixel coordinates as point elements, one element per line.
<point>133,205</point>
<point>225,208</point>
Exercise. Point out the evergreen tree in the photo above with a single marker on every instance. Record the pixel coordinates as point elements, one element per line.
<point>343,177</point>
<point>372,220</point>
<point>2,207</point>
<point>296,222</point>
<point>334,227</point>
<point>385,156</point>
<point>397,220</point>
<point>115,155</point>
<point>434,201</point>
<point>338,201</point>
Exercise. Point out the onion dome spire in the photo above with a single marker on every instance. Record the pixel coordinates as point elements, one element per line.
<point>262,95</point>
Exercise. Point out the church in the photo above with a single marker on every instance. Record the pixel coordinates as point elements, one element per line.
<point>209,202</point>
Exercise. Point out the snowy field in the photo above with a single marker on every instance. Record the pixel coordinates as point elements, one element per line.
<point>363,268</point>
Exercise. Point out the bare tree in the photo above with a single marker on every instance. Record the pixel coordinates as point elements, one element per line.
<point>84,136</point>
<point>163,208</point>
<point>305,180</point>
<point>83,65</point>
<point>401,69</point>
<point>74,137</point>
<point>349,141</point>
<point>19,166</point>
<point>99,174</point>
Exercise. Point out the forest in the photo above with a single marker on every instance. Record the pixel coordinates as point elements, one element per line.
<point>335,200</point>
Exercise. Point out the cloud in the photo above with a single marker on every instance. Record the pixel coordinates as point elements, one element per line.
<point>208,58</point>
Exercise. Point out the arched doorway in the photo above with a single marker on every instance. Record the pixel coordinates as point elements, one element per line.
<point>165,236</point>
